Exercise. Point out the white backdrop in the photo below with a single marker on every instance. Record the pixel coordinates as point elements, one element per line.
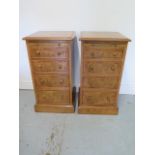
<point>78,15</point>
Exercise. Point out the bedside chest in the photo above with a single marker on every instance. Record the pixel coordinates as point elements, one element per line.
<point>50,56</point>
<point>102,60</point>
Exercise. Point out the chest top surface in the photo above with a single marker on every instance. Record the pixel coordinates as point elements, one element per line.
<point>103,36</point>
<point>51,35</point>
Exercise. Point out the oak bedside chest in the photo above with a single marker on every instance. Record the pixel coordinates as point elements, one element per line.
<point>102,60</point>
<point>50,55</point>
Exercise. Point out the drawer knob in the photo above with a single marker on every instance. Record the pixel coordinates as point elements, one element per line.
<point>38,52</point>
<point>60,67</point>
<point>115,54</point>
<point>45,97</point>
<point>61,81</point>
<point>43,81</point>
<point>108,99</point>
<point>59,53</point>
<point>40,66</point>
<point>91,68</point>
<point>113,67</point>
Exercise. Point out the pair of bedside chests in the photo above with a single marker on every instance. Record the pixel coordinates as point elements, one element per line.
<point>102,59</point>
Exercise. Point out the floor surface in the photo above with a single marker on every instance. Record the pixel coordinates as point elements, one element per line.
<point>76,134</point>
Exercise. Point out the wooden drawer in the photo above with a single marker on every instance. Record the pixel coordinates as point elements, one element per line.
<point>44,82</point>
<point>102,67</point>
<point>46,50</point>
<point>108,82</point>
<point>104,45</point>
<point>50,66</point>
<point>99,98</point>
<point>55,97</point>
<point>102,53</point>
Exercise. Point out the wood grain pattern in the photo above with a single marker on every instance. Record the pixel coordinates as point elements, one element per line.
<point>49,50</point>
<point>51,35</point>
<point>102,68</point>
<point>106,82</point>
<point>54,108</point>
<point>46,82</point>
<point>99,98</point>
<point>101,51</point>
<point>102,61</point>
<point>103,36</point>
<point>50,63</point>
<point>111,110</point>
<point>54,97</point>
<point>50,66</point>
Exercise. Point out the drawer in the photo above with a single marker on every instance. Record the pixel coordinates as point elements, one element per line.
<point>102,67</point>
<point>104,45</point>
<point>46,50</point>
<point>49,81</point>
<point>107,82</point>
<point>53,97</point>
<point>99,98</point>
<point>102,53</point>
<point>50,66</point>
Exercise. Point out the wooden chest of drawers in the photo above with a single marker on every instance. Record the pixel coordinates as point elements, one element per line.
<point>51,67</point>
<point>102,60</point>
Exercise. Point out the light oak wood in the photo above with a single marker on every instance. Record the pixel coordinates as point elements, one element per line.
<point>51,35</point>
<point>50,56</point>
<point>102,61</point>
<point>99,97</point>
<point>106,82</point>
<point>102,67</point>
<point>54,108</point>
<point>111,110</point>
<point>57,108</point>
<point>53,97</point>
<point>103,51</point>
<point>50,66</point>
<point>49,50</point>
<point>50,81</point>
<point>103,36</point>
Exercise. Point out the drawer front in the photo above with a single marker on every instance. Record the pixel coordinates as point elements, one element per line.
<point>99,98</point>
<point>102,53</point>
<point>102,68</point>
<point>101,82</point>
<point>49,81</point>
<point>46,50</point>
<point>50,66</point>
<point>104,45</point>
<point>53,97</point>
